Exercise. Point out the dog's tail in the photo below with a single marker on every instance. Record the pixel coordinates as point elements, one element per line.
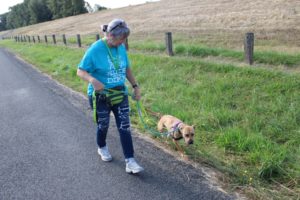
<point>155,114</point>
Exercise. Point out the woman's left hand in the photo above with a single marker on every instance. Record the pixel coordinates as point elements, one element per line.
<point>137,94</point>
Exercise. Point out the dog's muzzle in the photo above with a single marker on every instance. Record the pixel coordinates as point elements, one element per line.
<point>191,142</point>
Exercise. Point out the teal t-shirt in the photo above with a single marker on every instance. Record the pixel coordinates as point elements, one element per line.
<point>109,70</point>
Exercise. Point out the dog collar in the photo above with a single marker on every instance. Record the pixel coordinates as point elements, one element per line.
<point>176,125</point>
<point>176,128</point>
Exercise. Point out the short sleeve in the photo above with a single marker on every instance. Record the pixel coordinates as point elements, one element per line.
<point>86,62</point>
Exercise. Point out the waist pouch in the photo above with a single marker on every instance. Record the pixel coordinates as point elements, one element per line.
<point>111,96</point>
<point>114,96</point>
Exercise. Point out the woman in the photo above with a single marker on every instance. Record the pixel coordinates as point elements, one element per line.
<point>105,66</point>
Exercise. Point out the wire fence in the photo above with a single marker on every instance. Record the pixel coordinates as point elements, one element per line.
<point>76,41</point>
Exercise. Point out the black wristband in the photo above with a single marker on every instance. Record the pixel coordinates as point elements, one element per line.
<point>135,85</point>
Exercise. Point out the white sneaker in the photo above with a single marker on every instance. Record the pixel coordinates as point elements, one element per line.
<point>104,153</point>
<point>132,166</point>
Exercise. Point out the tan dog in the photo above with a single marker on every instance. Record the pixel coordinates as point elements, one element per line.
<point>176,129</point>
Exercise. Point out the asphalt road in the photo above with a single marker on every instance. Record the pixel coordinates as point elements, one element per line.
<point>48,148</point>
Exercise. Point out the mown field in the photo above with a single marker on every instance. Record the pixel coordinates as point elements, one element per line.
<point>247,118</point>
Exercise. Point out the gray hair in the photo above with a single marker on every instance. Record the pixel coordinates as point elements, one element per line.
<point>118,28</point>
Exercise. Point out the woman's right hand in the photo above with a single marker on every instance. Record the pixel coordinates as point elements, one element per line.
<point>98,86</point>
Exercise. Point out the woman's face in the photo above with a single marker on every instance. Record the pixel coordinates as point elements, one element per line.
<point>114,42</point>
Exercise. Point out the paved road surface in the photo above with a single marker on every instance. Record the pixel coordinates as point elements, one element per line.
<point>48,149</point>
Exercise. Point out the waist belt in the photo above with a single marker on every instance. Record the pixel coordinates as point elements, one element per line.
<point>110,90</point>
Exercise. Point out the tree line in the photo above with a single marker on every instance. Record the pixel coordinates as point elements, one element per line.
<point>36,11</point>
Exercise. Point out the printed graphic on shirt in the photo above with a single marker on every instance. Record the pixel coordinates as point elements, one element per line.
<point>116,75</point>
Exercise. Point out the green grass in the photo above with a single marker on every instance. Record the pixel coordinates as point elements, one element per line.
<point>271,58</point>
<point>199,50</point>
<point>247,119</point>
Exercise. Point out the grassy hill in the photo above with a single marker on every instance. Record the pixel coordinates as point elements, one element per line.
<point>212,21</point>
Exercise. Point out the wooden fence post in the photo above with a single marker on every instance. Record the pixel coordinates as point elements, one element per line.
<point>169,45</point>
<point>28,37</point>
<point>249,47</point>
<point>39,39</point>
<point>78,40</point>
<point>64,39</point>
<point>46,40</point>
<point>54,39</point>
<point>97,37</point>
<point>33,39</point>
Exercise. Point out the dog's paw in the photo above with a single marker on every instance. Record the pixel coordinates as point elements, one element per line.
<point>184,157</point>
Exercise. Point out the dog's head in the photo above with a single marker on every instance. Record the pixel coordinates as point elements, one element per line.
<point>188,133</point>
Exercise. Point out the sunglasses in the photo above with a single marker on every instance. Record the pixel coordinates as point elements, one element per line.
<point>119,24</point>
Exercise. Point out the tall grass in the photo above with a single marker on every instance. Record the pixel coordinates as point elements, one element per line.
<point>247,120</point>
<point>262,57</point>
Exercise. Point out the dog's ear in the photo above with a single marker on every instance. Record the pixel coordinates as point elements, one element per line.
<point>194,126</point>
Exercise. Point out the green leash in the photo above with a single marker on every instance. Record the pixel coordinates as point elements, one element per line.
<point>114,60</point>
<point>146,127</point>
<point>94,108</point>
<point>139,109</point>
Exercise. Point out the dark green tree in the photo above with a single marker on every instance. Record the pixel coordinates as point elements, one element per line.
<point>55,7</point>
<point>78,7</point>
<point>97,7</point>
<point>36,11</point>
<point>39,11</point>
<point>88,7</point>
<point>68,8</point>
<point>18,16</point>
<point>65,8</point>
<point>3,23</point>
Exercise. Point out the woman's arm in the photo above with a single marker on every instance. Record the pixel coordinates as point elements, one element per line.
<point>131,79</point>
<point>84,75</point>
<point>130,76</point>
